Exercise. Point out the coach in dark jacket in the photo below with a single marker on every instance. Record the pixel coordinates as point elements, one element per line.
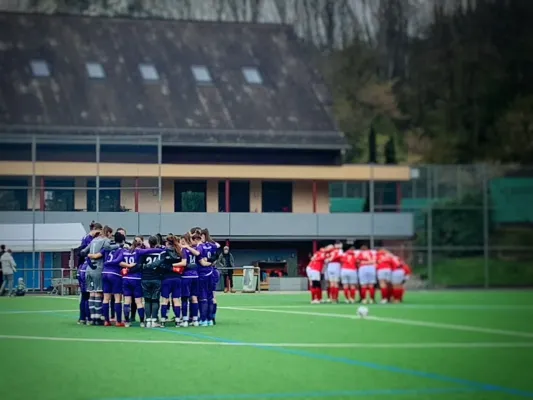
<point>226,260</point>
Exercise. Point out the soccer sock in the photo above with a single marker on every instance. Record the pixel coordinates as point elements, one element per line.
<point>105,311</point>
<point>177,312</point>
<point>373,293</point>
<point>396,294</point>
<point>210,305</point>
<point>353,293</point>
<point>82,310</point>
<point>194,311</point>
<point>155,310</point>
<point>118,311</point>
<point>164,311</point>
<point>98,308</point>
<point>140,311</point>
<point>384,293</point>
<point>127,310</point>
<point>214,313</point>
<point>364,292</point>
<point>133,311</point>
<point>203,309</point>
<point>313,293</point>
<point>329,292</point>
<point>91,308</point>
<point>185,308</point>
<point>401,292</point>
<point>347,293</point>
<point>148,308</point>
<point>112,307</point>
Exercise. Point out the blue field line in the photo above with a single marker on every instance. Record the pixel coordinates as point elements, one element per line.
<point>295,395</point>
<point>472,385</point>
<point>370,365</point>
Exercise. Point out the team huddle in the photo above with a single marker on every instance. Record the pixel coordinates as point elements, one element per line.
<point>357,269</point>
<point>119,279</point>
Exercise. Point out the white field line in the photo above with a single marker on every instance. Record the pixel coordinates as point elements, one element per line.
<point>466,328</point>
<point>394,306</point>
<point>14,312</point>
<point>294,345</point>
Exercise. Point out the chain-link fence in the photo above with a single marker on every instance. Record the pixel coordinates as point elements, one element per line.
<point>474,223</point>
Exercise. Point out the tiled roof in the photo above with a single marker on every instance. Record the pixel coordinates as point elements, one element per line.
<point>288,109</point>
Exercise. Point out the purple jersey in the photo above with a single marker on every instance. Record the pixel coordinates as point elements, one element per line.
<point>87,239</point>
<point>191,270</point>
<point>207,251</point>
<point>112,260</point>
<point>81,276</point>
<point>134,257</point>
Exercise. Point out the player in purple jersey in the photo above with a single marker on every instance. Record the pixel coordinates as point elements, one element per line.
<point>171,284</point>
<point>112,280</point>
<point>138,242</point>
<point>94,230</point>
<point>208,254</point>
<point>189,281</point>
<point>84,294</point>
<point>133,279</point>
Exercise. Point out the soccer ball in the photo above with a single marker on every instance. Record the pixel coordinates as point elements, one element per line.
<point>362,311</point>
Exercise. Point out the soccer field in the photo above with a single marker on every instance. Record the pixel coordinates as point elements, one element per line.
<point>442,345</point>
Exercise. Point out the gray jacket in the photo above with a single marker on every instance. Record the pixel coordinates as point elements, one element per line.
<point>222,263</point>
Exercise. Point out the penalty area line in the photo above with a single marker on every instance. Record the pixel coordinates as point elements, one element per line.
<point>287,345</point>
<point>411,322</point>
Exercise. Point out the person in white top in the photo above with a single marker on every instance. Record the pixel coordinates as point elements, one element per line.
<point>9,267</point>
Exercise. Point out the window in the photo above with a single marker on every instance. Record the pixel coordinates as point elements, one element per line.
<point>148,72</point>
<point>12,198</point>
<point>201,74</point>
<point>109,195</point>
<point>239,196</point>
<point>252,75</point>
<point>39,68</point>
<point>95,70</point>
<point>277,196</point>
<point>59,195</point>
<point>190,196</point>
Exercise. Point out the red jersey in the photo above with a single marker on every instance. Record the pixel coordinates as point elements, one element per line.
<point>317,261</point>
<point>349,260</point>
<point>335,256</point>
<point>367,257</point>
<point>384,260</point>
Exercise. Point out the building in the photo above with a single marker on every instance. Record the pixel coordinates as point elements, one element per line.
<point>157,126</point>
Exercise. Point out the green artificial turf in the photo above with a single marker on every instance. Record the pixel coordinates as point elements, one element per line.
<point>443,345</point>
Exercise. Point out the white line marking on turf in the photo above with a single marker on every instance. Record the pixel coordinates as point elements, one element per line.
<point>396,321</point>
<point>301,345</point>
<point>395,306</point>
<point>34,312</point>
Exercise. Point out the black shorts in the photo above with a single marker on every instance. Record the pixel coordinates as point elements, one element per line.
<point>151,289</point>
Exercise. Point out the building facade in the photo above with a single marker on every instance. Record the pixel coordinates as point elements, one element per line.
<point>158,126</point>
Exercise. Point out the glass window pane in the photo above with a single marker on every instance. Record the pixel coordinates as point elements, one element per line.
<point>201,74</point>
<point>252,75</point>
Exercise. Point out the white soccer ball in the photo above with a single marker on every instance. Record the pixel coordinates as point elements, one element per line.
<point>362,311</point>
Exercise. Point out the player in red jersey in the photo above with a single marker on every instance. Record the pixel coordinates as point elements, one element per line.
<point>384,272</point>
<point>349,277</point>
<point>314,270</point>
<point>400,273</point>
<point>367,274</point>
<point>334,271</point>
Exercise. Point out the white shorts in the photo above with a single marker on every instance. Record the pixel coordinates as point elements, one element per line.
<point>398,276</point>
<point>349,276</point>
<point>334,272</point>
<point>312,274</point>
<point>367,275</point>
<point>384,274</point>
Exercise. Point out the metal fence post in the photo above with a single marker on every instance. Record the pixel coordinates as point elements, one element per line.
<point>97,183</point>
<point>33,199</point>
<point>429,174</point>
<point>486,226</point>
<point>159,179</point>
<point>371,205</point>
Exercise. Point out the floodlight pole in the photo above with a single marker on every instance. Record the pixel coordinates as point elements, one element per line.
<point>371,200</point>
<point>97,177</point>
<point>429,177</point>
<point>486,226</point>
<point>33,200</point>
<point>159,178</point>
